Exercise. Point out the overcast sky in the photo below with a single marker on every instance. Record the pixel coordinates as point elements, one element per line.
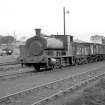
<point>86,17</point>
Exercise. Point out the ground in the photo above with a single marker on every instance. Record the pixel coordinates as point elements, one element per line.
<point>93,95</point>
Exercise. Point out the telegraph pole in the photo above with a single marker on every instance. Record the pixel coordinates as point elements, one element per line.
<point>64,21</point>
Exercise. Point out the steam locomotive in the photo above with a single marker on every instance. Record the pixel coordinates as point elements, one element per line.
<point>56,51</point>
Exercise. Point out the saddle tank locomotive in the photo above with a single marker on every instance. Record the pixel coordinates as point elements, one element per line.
<point>46,51</point>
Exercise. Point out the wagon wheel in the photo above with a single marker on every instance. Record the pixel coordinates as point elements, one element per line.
<point>36,67</point>
<point>58,65</point>
<point>52,67</point>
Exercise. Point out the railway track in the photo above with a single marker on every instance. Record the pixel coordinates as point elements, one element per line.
<point>66,97</point>
<point>14,73</point>
<point>50,93</point>
<point>10,71</point>
<point>9,66</point>
<point>17,72</point>
<point>6,69</point>
<point>9,63</point>
<point>20,73</point>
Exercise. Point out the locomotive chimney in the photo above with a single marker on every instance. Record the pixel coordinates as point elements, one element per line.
<point>38,31</point>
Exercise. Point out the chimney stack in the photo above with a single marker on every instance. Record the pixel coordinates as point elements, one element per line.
<point>38,31</point>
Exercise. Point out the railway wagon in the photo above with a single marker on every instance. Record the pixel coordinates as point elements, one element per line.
<point>97,52</point>
<point>56,51</point>
<point>81,52</point>
<point>88,52</point>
